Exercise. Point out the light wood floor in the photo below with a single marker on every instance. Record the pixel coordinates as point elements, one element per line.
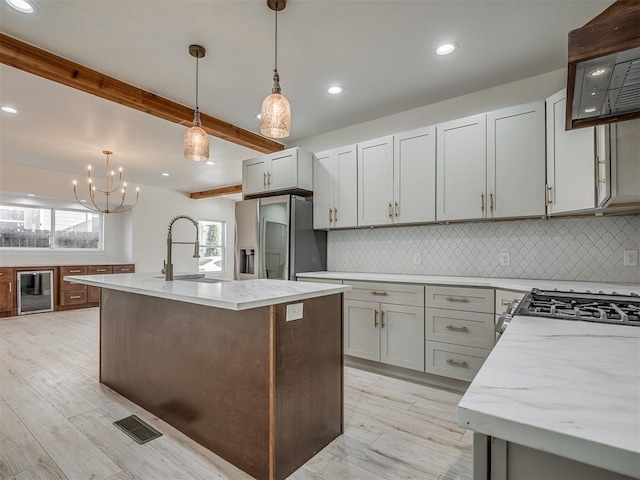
<point>56,420</point>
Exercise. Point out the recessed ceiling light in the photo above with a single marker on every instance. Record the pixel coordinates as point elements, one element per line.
<point>30,195</point>
<point>589,110</point>
<point>21,5</point>
<point>210,162</point>
<point>446,48</point>
<point>8,109</point>
<point>335,90</point>
<point>165,174</point>
<point>258,116</point>
<point>598,71</point>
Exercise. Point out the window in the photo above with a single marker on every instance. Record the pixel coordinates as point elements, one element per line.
<point>33,227</point>
<point>212,246</point>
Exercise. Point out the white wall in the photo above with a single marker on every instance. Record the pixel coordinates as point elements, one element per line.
<point>151,217</point>
<point>55,189</point>
<point>515,93</point>
<point>138,236</point>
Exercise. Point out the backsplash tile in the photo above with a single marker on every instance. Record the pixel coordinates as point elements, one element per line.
<point>587,249</point>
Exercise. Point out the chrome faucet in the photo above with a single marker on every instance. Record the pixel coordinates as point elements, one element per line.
<point>168,266</point>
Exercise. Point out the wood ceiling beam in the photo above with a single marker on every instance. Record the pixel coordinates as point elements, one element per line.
<point>216,192</point>
<point>31,59</point>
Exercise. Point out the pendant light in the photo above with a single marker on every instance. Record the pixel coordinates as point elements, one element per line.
<point>275,121</point>
<point>196,140</point>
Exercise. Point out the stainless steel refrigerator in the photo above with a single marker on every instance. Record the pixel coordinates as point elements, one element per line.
<point>275,239</point>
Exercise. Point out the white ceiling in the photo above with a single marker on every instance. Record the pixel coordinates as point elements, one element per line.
<point>380,51</point>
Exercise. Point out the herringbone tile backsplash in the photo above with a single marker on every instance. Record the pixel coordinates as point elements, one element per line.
<point>587,249</point>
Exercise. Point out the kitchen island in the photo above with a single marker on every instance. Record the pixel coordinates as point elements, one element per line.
<point>557,399</point>
<point>252,370</point>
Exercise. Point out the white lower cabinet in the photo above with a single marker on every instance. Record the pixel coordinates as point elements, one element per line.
<point>384,332</point>
<point>460,330</point>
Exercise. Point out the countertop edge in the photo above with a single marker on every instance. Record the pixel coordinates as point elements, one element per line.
<point>226,304</point>
<point>523,285</point>
<point>607,457</point>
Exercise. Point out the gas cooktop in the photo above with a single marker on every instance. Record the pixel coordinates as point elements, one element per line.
<point>587,306</point>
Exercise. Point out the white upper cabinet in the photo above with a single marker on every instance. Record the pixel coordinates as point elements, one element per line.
<point>623,177</point>
<point>287,170</point>
<point>516,161</point>
<point>414,176</point>
<point>396,179</point>
<point>461,169</point>
<point>570,162</point>
<point>375,182</point>
<point>335,183</point>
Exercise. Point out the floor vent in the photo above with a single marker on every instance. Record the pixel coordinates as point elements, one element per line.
<point>140,431</point>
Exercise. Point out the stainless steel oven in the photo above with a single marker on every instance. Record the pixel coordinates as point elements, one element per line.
<point>35,291</point>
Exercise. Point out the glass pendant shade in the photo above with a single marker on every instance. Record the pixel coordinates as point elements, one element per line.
<point>276,116</point>
<point>196,143</point>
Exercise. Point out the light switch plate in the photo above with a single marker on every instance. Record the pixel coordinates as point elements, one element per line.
<point>294,311</point>
<point>630,258</point>
<point>417,258</point>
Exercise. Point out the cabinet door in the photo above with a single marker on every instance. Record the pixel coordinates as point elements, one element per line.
<point>361,329</point>
<point>323,190</point>
<point>516,161</point>
<point>603,165</point>
<point>570,161</point>
<point>375,182</point>
<point>7,294</point>
<point>345,187</point>
<point>402,336</point>
<point>254,175</point>
<point>414,176</point>
<point>93,294</point>
<point>282,171</point>
<point>461,169</point>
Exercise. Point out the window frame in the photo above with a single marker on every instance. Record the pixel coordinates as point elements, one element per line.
<point>52,231</point>
<point>222,246</point>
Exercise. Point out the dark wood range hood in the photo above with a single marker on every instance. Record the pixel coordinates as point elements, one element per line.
<point>603,81</point>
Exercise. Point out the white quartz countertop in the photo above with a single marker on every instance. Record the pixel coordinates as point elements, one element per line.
<point>570,388</point>
<point>230,295</point>
<point>523,285</point>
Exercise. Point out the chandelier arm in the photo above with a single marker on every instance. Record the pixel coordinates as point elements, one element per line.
<point>120,210</point>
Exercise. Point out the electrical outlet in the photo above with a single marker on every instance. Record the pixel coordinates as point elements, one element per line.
<point>294,311</point>
<point>417,258</point>
<point>630,258</point>
<point>505,259</point>
<point>345,258</point>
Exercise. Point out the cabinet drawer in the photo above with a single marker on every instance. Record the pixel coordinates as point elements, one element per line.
<point>471,329</point>
<point>130,268</point>
<point>398,293</point>
<point>454,361</point>
<point>99,269</point>
<point>5,273</point>
<point>74,298</point>
<point>76,270</point>
<point>504,299</point>
<point>460,298</point>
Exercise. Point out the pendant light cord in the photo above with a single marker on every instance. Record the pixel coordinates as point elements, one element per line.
<point>197,58</point>
<point>276,67</point>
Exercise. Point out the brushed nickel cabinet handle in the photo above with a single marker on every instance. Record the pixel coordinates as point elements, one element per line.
<point>335,214</point>
<point>482,201</point>
<point>124,269</point>
<point>74,271</point>
<point>506,303</point>
<point>264,178</point>
<point>375,318</point>
<point>395,210</point>
<point>457,364</point>
<point>547,195</point>
<point>390,210</point>
<point>1,274</point>
<point>330,216</point>
<point>9,287</point>
<point>375,292</point>
<point>268,178</point>
<point>458,299</point>
<point>382,318</point>
<point>453,327</point>
<point>491,201</point>
<point>101,269</point>
<point>73,297</point>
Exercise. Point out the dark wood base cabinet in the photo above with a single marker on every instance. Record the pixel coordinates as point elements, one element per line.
<point>262,392</point>
<point>7,292</point>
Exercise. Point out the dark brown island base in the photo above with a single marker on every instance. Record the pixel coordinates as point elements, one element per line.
<point>262,392</point>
